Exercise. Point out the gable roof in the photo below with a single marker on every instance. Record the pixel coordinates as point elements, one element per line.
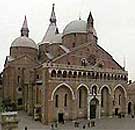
<point>21,58</point>
<point>73,50</point>
<point>83,46</point>
<point>110,56</point>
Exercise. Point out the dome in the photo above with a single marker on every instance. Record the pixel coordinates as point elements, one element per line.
<point>76,26</point>
<point>24,42</point>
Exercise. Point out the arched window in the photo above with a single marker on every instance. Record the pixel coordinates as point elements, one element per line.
<point>108,77</point>
<point>68,63</point>
<point>114,101</point>
<point>102,99</point>
<point>115,77</point>
<point>65,100</point>
<point>125,78</point>
<point>89,76</point>
<point>100,76</point>
<point>119,99</point>
<point>83,62</point>
<point>75,74</point>
<point>73,44</point>
<point>59,73</point>
<point>64,74</point>
<point>80,98</point>
<point>94,90</point>
<point>56,101</point>
<point>53,73</point>
<point>70,74</point>
<point>105,76</point>
<point>97,75</point>
<point>84,74</point>
<point>79,74</point>
<point>18,79</point>
<point>92,75</point>
<point>37,76</point>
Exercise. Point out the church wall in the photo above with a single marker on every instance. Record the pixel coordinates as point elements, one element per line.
<point>73,40</point>
<point>74,83</point>
<point>20,51</point>
<point>100,58</point>
<point>75,75</point>
<point>42,49</point>
<point>8,83</point>
<point>17,77</point>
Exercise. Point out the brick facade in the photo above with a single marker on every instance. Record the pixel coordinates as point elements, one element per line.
<point>68,80</point>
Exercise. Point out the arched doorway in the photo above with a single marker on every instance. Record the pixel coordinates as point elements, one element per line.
<point>129,108</point>
<point>94,106</point>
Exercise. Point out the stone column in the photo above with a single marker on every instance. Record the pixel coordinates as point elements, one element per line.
<point>110,106</point>
<point>74,109</point>
<point>99,106</point>
<point>88,106</point>
<point>45,85</point>
<point>126,105</point>
<point>30,100</point>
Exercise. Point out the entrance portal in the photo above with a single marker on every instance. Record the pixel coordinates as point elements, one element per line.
<point>116,111</point>
<point>60,118</point>
<point>92,111</point>
<point>129,107</point>
<point>93,108</point>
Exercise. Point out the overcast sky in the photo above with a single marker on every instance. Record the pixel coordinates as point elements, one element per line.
<point>114,23</point>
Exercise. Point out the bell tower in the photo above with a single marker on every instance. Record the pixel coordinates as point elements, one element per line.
<point>91,32</point>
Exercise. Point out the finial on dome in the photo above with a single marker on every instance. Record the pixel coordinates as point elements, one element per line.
<point>53,17</point>
<point>24,29</point>
<point>25,25</point>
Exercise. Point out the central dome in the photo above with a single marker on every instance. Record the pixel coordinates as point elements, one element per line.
<point>76,26</point>
<point>24,42</point>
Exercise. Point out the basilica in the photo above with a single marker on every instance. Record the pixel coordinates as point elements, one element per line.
<point>67,76</point>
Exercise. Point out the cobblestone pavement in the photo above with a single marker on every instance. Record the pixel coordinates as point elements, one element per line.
<point>115,123</point>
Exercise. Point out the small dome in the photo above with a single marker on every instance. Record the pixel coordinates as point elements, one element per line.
<point>24,42</point>
<point>76,26</point>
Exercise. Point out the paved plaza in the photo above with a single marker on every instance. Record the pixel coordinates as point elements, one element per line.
<point>115,123</point>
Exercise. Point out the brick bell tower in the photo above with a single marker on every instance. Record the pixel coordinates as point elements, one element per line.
<point>91,32</point>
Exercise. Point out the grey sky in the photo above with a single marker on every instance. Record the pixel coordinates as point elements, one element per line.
<point>114,23</point>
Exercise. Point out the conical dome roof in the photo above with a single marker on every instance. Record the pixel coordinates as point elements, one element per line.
<point>24,40</point>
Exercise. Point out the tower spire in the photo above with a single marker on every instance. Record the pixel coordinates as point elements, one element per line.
<point>53,17</point>
<point>24,29</point>
<point>124,63</point>
<point>90,19</point>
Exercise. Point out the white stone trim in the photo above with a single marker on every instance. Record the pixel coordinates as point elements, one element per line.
<point>107,87</point>
<point>82,84</point>
<point>130,101</point>
<point>90,98</point>
<point>63,84</point>
<point>119,85</point>
<point>96,86</point>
